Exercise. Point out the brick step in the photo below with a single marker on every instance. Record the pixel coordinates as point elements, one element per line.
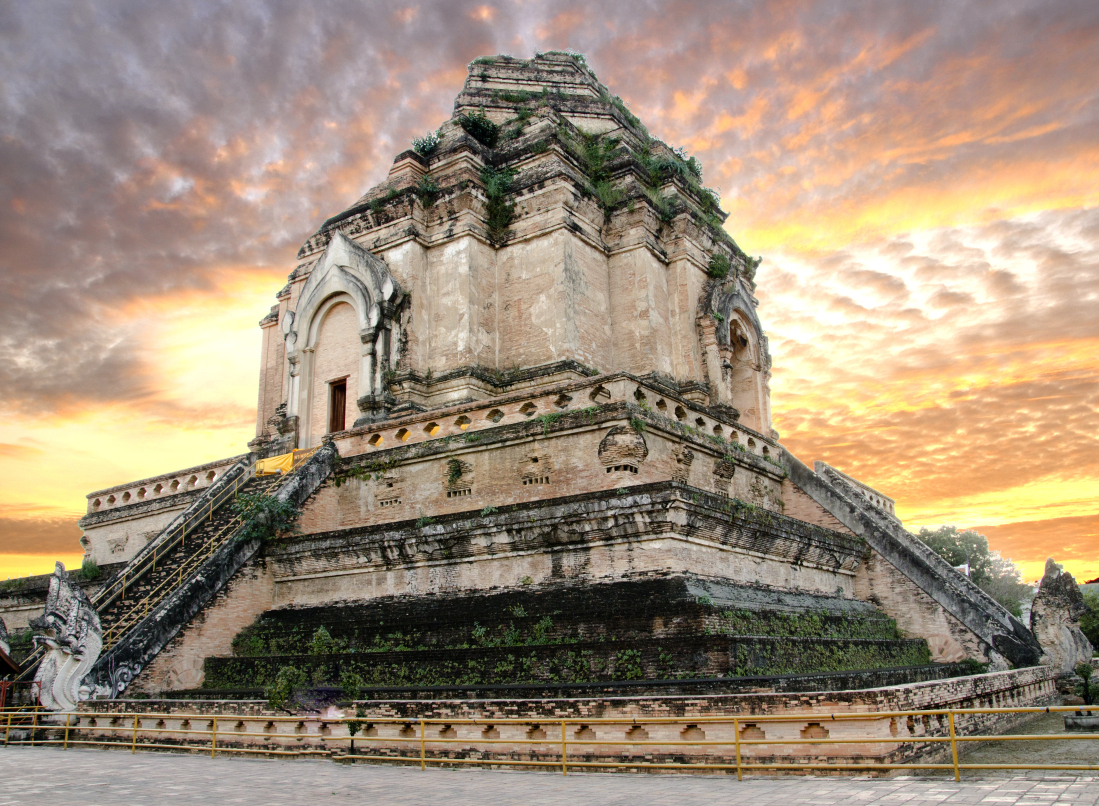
<point>664,658</point>
<point>168,566</point>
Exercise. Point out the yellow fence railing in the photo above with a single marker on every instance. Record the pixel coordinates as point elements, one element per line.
<point>546,741</point>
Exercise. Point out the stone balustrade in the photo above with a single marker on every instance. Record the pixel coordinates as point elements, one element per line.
<point>180,481</point>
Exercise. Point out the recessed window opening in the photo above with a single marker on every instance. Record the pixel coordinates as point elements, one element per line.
<point>737,337</point>
<point>337,405</point>
<point>536,480</point>
<point>459,493</point>
<point>599,395</point>
<point>622,468</point>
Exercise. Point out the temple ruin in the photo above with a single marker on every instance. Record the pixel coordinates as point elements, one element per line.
<point>519,392</point>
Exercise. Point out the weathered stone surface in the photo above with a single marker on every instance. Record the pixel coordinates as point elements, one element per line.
<point>126,659</point>
<point>70,632</point>
<point>536,354</point>
<point>122,520</point>
<point>987,629</point>
<point>507,720</point>
<point>1055,620</point>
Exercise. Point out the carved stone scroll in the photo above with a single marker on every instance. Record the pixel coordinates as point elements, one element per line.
<point>69,630</point>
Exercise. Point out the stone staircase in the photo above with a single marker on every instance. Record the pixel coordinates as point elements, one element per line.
<point>1008,641</point>
<point>180,571</point>
<point>166,571</point>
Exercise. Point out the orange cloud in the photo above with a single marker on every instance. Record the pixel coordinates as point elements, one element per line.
<point>483,13</point>
<point>921,185</point>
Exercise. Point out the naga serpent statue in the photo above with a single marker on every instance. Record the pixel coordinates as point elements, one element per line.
<point>70,632</point>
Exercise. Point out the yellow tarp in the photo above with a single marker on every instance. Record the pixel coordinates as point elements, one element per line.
<point>276,464</point>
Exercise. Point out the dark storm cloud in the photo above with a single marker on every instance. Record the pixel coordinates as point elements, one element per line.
<point>146,148</point>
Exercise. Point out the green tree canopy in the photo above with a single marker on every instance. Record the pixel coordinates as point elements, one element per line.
<point>997,577</point>
<point>1089,622</point>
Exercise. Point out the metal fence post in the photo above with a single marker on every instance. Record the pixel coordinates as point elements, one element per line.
<point>564,749</point>
<point>133,745</point>
<point>423,761</point>
<point>954,748</point>
<point>736,734</point>
<point>65,745</point>
<point>214,738</point>
<point>7,732</point>
<point>34,724</point>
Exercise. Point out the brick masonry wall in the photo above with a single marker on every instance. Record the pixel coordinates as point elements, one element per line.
<point>799,505</point>
<point>498,464</point>
<point>180,664</point>
<point>597,536</point>
<point>513,719</point>
<point>916,612</point>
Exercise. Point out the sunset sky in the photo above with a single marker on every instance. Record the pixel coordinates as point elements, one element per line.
<point>921,179</point>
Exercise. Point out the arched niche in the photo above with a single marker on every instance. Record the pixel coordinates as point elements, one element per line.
<point>335,359</point>
<point>358,341</point>
<point>738,361</point>
<point>741,369</point>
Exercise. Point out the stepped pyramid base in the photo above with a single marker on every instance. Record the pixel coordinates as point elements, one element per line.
<point>576,634</point>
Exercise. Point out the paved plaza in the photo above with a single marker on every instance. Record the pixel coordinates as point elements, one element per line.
<point>86,777</point>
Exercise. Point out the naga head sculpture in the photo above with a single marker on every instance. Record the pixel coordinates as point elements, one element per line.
<point>70,632</point>
<point>69,618</point>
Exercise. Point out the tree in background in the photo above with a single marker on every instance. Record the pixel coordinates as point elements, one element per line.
<point>1089,622</point>
<point>997,577</point>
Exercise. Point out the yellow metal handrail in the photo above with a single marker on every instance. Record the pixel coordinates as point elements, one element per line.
<point>152,598</point>
<point>117,588</point>
<point>127,735</point>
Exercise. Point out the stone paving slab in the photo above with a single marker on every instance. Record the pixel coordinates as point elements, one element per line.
<point>89,777</point>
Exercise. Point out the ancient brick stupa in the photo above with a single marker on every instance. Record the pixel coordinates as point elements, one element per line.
<point>532,363</point>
